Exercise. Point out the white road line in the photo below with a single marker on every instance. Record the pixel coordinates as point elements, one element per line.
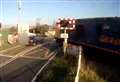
<point>18,55</point>
<point>41,58</point>
<point>35,51</point>
<point>2,51</point>
<point>51,58</point>
<point>31,57</point>
<point>6,55</point>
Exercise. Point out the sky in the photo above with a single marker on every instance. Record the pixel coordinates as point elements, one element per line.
<point>48,11</point>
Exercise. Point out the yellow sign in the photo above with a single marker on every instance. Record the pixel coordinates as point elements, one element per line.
<point>111,40</point>
<point>64,35</point>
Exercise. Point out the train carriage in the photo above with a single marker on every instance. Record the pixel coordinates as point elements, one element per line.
<point>99,33</point>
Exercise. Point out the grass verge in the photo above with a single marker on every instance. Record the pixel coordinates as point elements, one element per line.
<point>5,44</point>
<point>63,69</point>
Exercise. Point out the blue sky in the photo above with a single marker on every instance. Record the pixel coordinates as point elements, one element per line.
<point>49,10</point>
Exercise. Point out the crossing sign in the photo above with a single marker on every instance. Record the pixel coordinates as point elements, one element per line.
<point>63,23</point>
<point>64,35</point>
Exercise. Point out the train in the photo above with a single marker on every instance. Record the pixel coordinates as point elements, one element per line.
<point>102,33</point>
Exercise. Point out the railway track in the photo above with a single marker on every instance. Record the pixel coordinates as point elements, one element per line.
<point>42,68</point>
<point>15,51</point>
<point>23,66</point>
<point>18,55</point>
<point>10,49</point>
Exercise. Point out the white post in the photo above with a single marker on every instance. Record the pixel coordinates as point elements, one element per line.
<point>79,65</point>
<point>65,43</point>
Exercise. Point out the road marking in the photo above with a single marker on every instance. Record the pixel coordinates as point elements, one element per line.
<point>31,57</point>
<point>50,59</point>
<point>9,55</point>
<point>21,54</point>
<point>6,55</point>
<point>18,55</point>
<point>2,51</point>
<point>35,51</point>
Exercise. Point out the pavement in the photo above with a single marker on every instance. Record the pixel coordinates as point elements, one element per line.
<point>23,66</point>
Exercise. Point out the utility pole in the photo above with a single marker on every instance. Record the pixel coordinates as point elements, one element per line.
<point>19,17</point>
<point>1,11</point>
<point>1,16</point>
<point>23,29</point>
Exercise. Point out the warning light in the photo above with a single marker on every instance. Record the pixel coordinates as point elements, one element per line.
<point>61,18</point>
<point>67,23</point>
<point>70,22</point>
<point>58,21</point>
<point>71,18</point>
<point>73,21</point>
<point>73,26</point>
<point>58,25</point>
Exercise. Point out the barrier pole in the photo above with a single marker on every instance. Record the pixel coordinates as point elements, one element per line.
<point>65,44</point>
<point>79,65</point>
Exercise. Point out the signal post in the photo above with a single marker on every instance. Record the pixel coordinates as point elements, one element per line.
<point>65,24</point>
<point>65,36</point>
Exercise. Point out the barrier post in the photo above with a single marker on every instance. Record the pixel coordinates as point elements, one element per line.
<point>79,65</point>
<point>65,43</point>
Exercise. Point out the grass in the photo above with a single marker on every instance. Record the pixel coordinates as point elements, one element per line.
<point>99,72</point>
<point>89,75</point>
<point>60,70</point>
<point>64,70</point>
<point>55,72</point>
<point>5,44</point>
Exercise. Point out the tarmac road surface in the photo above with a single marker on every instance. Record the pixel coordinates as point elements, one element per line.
<point>23,66</point>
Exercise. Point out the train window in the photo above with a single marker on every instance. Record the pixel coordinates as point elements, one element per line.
<point>106,27</point>
<point>115,27</point>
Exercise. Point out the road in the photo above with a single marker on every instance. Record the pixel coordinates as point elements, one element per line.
<point>23,66</point>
